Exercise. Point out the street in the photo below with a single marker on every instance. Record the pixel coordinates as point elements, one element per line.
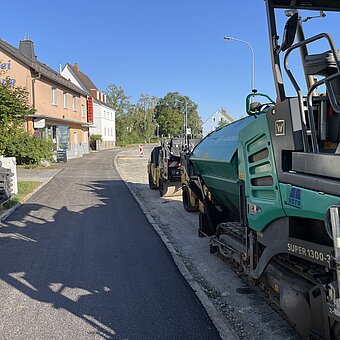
<point>79,260</point>
<point>242,315</point>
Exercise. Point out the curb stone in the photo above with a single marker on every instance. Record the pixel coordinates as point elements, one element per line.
<point>10,211</point>
<point>217,320</point>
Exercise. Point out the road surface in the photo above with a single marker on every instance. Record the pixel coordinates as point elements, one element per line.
<point>79,260</point>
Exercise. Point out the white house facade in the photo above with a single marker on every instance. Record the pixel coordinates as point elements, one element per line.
<point>212,122</point>
<point>104,122</point>
<point>104,117</point>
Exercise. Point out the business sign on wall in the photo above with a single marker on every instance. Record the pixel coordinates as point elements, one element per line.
<point>5,67</point>
<point>39,123</point>
<point>90,110</point>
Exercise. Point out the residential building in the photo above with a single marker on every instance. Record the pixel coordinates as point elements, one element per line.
<point>104,120</point>
<point>214,121</point>
<point>61,114</point>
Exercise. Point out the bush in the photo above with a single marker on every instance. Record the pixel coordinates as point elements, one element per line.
<point>14,141</point>
<point>95,137</point>
<point>26,148</point>
<point>93,141</point>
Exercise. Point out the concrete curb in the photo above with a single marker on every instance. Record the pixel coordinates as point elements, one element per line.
<point>10,211</point>
<point>214,315</point>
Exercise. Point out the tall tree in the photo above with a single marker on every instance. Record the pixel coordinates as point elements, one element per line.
<point>118,99</point>
<point>170,115</point>
<point>145,108</point>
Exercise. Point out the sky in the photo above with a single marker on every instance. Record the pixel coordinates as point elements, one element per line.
<point>156,46</point>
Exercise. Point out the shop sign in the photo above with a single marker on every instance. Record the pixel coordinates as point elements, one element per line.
<point>90,110</point>
<point>4,68</point>
<point>39,123</point>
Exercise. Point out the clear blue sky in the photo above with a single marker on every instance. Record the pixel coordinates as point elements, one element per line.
<point>154,46</point>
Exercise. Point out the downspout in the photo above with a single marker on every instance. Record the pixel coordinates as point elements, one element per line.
<point>33,91</point>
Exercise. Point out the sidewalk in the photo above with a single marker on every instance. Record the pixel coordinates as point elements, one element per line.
<point>43,175</point>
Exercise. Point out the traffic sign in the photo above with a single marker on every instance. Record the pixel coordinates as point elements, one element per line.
<point>37,133</point>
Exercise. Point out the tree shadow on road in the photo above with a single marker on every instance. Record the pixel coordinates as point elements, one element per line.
<point>47,254</point>
<point>87,258</point>
<point>61,256</point>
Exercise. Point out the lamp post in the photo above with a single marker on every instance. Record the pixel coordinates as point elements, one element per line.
<point>186,123</point>
<point>253,90</point>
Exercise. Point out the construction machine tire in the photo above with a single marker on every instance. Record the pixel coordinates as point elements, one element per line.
<point>151,183</point>
<point>188,206</point>
<point>167,189</point>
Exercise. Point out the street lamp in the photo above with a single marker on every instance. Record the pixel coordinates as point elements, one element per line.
<point>186,122</point>
<point>253,90</point>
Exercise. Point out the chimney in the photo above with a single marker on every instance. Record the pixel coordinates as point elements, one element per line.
<point>76,67</point>
<point>95,93</point>
<point>26,47</point>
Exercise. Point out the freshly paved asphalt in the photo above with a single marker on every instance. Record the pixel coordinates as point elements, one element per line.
<point>79,260</point>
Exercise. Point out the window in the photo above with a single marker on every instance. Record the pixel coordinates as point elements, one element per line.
<point>104,131</point>
<point>54,96</point>
<point>74,103</point>
<point>65,100</point>
<point>111,115</point>
<point>214,119</point>
<point>82,111</point>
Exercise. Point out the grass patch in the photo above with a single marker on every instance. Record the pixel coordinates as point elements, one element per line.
<point>36,166</point>
<point>24,189</point>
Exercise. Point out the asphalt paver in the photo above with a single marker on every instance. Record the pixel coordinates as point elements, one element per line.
<point>79,260</point>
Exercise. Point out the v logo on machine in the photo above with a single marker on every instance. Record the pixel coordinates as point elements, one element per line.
<point>280,128</point>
